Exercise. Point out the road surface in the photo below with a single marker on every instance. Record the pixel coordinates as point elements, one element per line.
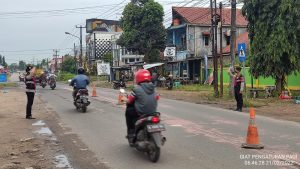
<point>198,136</point>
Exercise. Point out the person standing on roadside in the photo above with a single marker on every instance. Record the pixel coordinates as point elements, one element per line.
<point>30,89</point>
<point>239,82</point>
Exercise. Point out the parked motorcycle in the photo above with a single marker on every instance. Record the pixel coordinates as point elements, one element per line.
<point>170,84</point>
<point>147,135</point>
<point>119,84</point>
<point>81,100</point>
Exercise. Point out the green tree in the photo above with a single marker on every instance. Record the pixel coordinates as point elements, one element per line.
<point>108,58</point>
<point>4,62</point>
<point>0,60</point>
<point>22,65</point>
<point>68,64</point>
<point>143,29</point>
<point>274,32</point>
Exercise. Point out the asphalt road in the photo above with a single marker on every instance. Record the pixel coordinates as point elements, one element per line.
<point>198,136</point>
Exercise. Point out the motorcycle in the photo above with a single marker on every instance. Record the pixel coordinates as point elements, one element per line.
<point>81,100</point>
<point>119,84</point>
<point>43,83</point>
<point>147,136</point>
<point>170,84</point>
<point>52,83</point>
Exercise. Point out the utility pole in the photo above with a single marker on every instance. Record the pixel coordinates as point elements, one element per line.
<point>216,51</point>
<point>75,59</point>
<point>80,57</point>
<point>232,41</point>
<point>214,31</point>
<point>55,59</point>
<point>221,51</point>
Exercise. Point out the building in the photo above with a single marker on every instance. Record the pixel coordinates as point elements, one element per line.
<point>99,35</point>
<point>122,56</point>
<point>52,64</point>
<point>102,39</point>
<point>190,33</point>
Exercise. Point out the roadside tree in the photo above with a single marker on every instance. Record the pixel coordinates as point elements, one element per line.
<point>143,30</point>
<point>274,32</point>
<point>69,65</point>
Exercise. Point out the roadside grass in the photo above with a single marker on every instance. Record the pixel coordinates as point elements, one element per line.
<point>8,84</point>
<point>64,76</point>
<point>207,91</point>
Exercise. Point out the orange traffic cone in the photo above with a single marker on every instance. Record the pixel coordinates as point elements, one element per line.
<point>94,94</point>
<point>120,99</point>
<point>252,140</point>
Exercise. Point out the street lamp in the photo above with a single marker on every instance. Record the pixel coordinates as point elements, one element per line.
<point>80,39</point>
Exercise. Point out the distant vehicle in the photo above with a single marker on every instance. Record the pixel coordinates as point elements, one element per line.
<point>21,77</point>
<point>52,81</point>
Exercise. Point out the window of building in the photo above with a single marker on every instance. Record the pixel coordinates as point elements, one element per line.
<point>137,59</point>
<point>206,40</point>
<point>131,60</point>
<point>227,38</point>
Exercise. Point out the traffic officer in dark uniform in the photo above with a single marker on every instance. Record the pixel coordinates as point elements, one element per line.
<point>30,89</point>
<point>239,82</point>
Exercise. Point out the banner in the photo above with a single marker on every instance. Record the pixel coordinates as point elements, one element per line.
<point>103,69</point>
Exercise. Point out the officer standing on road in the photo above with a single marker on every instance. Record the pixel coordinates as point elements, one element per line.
<point>30,89</point>
<point>239,82</point>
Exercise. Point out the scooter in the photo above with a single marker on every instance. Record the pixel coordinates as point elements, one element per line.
<point>147,136</point>
<point>43,83</point>
<point>81,100</point>
<point>52,83</point>
<point>119,84</point>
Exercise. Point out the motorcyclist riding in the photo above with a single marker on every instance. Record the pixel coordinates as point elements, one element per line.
<point>79,82</point>
<point>142,100</point>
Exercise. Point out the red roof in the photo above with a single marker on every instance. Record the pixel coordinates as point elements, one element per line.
<point>243,38</point>
<point>202,16</point>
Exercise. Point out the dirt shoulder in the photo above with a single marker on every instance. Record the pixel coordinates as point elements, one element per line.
<point>273,107</point>
<point>41,143</point>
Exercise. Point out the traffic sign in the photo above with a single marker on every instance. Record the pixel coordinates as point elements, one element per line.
<point>242,52</point>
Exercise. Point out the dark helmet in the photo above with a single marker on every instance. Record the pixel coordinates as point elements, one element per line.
<point>238,68</point>
<point>80,70</point>
<point>28,68</point>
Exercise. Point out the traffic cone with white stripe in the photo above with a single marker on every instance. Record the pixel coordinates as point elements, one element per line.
<point>252,140</point>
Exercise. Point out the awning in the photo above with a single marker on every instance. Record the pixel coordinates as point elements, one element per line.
<point>177,27</point>
<point>148,66</point>
<point>206,33</point>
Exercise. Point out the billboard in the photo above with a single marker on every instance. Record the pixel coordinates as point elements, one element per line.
<point>102,25</point>
<point>103,69</point>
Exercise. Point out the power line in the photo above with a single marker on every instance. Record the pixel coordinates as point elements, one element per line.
<point>30,50</point>
<point>54,10</point>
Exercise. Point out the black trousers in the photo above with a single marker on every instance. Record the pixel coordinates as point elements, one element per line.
<point>131,117</point>
<point>239,98</point>
<point>75,91</point>
<point>30,98</point>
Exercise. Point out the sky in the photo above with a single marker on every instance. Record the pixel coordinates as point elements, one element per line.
<point>31,29</point>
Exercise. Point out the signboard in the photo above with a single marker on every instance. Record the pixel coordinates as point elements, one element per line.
<point>3,77</point>
<point>242,52</point>
<point>170,52</point>
<point>103,69</point>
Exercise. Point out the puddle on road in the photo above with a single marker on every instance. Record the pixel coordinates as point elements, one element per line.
<point>39,123</point>
<point>62,161</point>
<point>44,131</point>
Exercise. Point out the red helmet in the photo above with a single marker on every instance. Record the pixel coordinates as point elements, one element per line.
<point>142,75</point>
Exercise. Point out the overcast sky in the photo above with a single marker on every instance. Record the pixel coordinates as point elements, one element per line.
<point>33,36</point>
